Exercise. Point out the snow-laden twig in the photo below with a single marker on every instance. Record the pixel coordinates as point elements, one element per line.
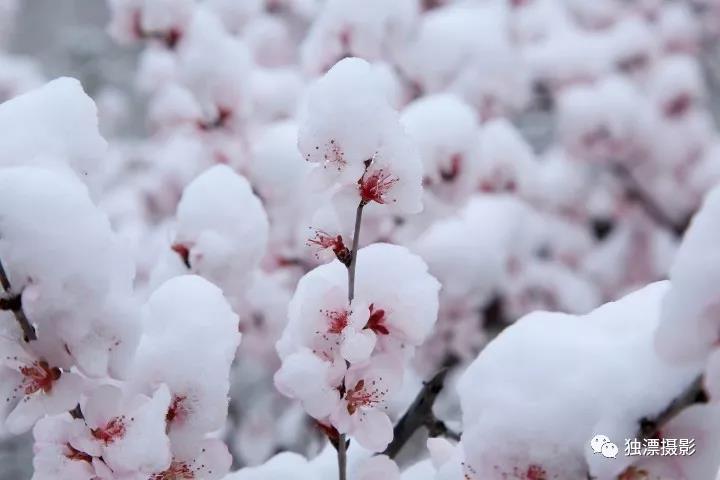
<point>342,442</point>
<point>420,414</point>
<point>13,302</point>
<point>694,393</point>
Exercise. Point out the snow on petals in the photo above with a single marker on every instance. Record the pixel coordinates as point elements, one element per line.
<point>71,270</point>
<point>127,430</point>
<point>689,323</point>
<point>344,361</point>
<point>578,363</point>
<point>191,336</point>
<point>394,309</point>
<point>32,387</point>
<point>222,228</point>
<point>353,135</point>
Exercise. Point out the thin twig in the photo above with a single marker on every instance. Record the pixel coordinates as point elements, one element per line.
<point>13,303</point>
<point>342,457</point>
<point>694,393</point>
<point>354,250</point>
<point>342,441</point>
<point>420,414</point>
<point>637,193</point>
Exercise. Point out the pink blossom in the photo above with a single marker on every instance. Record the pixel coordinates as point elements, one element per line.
<point>33,388</point>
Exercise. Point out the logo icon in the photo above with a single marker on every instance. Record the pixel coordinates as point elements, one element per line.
<point>601,444</point>
<point>609,450</point>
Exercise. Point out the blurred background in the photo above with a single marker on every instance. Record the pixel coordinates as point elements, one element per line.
<point>580,81</point>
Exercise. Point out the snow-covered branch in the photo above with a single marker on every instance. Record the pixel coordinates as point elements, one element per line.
<point>13,302</point>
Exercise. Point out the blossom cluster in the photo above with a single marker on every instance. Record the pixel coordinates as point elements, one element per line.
<point>355,322</point>
<point>113,386</point>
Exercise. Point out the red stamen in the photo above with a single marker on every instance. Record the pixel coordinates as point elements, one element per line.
<point>338,320</point>
<point>535,472</point>
<point>359,396</point>
<point>114,430</point>
<point>333,155</point>
<point>177,471</point>
<point>39,376</point>
<point>177,410</point>
<point>324,240</point>
<point>376,185</point>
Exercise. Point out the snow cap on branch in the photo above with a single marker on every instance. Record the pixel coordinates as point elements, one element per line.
<point>73,273</point>
<point>583,368</point>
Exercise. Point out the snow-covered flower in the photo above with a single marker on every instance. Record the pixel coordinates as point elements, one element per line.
<point>32,388</point>
<point>394,308</point>
<point>183,317</point>
<point>127,430</point>
<point>581,366</point>
<point>344,360</point>
<point>352,134</point>
<point>222,228</point>
<point>361,410</point>
<point>71,270</point>
<point>445,129</point>
<point>56,457</point>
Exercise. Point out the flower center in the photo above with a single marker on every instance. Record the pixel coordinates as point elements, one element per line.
<point>376,185</point>
<point>114,430</point>
<point>332,154</point>
<point>177,410</point>
<point>337,320</point>
<point>177,471</point>
<point>39,376</point>
<point>324,240</point>
<point>359,396</point>
<point>536,472</point>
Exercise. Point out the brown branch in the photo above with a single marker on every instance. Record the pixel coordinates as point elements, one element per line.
<point>354,250</point>
<point>420,414</point>
<point>77,412</point>
<point>13,302</point>
<point>342,442</point>
<point>639,195</point>
<point>694,393</point>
